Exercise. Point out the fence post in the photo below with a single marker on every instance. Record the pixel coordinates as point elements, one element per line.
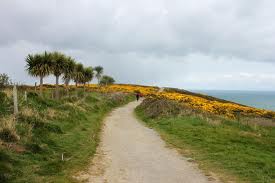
<point>35,84</point>
<point>15,100</point>
<point>26,96</point>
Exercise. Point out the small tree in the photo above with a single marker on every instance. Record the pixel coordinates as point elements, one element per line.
<point>39,65</point>
<point>78,75</point>
<point>88,75</point>
<point>99,72</point>
<point>4,80</point>
<point>68,70</point>
<point>57,68</point>
<point>106,80</point>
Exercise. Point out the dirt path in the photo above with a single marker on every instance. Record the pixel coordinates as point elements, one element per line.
<point>132,153</point>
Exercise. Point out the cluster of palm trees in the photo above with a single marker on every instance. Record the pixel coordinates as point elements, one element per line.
<point>58,64</point>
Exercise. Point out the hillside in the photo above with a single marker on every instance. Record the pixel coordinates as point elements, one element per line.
<point>50,140</point>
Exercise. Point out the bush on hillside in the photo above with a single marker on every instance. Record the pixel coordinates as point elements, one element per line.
<point>8,135</point>
<point>4,103</point>
<point>156,108</point>
<point>106,80</point>
<point>4,80</point>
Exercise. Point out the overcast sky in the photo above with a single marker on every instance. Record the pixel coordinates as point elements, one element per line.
<point>198,44</point>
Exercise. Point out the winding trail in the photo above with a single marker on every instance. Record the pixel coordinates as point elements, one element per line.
<point>132,153</point>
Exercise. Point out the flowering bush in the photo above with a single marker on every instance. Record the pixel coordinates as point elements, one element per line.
<point>144,90</point>
<point>228,109</point>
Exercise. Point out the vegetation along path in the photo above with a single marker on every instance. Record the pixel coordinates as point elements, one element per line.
<point>131,152</point>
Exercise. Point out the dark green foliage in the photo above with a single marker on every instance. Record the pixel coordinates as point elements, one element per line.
<point>106,80</point>
<point>88,75</point>
<point>34,148</point>
<point>32,95</point>
<point>8,135</point>
<point>99,72</point>
<point>4,80</point>
<point>5,104</point>
<point>5,167</point>
<point>68,73</point>
<point>37,123</point>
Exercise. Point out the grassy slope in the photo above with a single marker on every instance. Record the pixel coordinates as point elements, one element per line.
<point>241,152</point>
<point>49,128</point>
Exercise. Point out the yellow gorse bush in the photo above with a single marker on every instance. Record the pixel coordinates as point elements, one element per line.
<point>231,110</point>
<point>145,90</point>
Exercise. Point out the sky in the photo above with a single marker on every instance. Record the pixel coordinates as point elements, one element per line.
<point>198,44</point>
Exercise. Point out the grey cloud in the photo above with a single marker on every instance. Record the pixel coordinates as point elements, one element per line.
<point>233,28</point>
<point>142,41</point>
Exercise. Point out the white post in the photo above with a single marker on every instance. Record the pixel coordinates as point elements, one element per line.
<point>26,97</point>
<point>15,100</point>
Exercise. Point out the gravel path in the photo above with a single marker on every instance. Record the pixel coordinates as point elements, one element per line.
<point>132,153</point>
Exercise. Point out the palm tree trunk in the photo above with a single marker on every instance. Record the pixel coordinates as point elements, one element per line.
<point>67,81</point>
<point>57,87</point>
<point>41,85</point>
<point>98,80</point>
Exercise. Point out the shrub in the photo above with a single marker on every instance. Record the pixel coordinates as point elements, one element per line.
<point>4,80</point>
<point>8,135</point>
<point>34,148</point>
<point>106,80</point>
<point>38,123</point>
<point>4,103</point>
<point>155,108</point>
<point>32,95</point>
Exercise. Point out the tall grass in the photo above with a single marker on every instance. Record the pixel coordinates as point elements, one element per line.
<point>46,128</point>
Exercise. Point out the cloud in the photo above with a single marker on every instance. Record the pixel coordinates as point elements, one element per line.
<point>179,43</point>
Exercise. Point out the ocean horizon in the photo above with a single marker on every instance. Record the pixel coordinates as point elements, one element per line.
<point>253,98</point>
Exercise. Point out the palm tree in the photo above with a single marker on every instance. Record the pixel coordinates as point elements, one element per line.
<point>88,75</point>
<point>106,80</point>
<point>57,69</point>
<point>78,75</point>
<point>68,70</point>
<point>39,65</point>
<point>99,72</point>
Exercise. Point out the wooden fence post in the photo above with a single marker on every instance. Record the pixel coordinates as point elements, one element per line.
<point>15,100</point>
<point>35,85</point>
<point>26,96</point>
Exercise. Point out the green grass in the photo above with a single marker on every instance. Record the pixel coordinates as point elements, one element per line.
<point>231,150</point>
<point>51,127</point>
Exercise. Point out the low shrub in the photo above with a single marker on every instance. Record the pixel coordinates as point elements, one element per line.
<point>34,148</point>
<point>8,135</point>
<point>38,123</point>
<point>32,95</point>
<point>5,103</point>
<point>156,108</point>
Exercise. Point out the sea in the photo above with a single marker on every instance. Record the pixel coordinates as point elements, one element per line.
<point>258,99</point>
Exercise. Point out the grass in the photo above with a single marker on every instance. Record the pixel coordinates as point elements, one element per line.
<point>232,150</point>
<point>49,128</point>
